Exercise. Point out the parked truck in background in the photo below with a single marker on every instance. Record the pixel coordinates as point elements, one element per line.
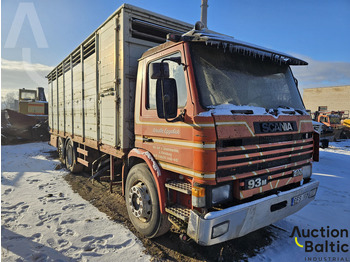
<point>335,120</point>
<point>33,103</point>
<point>326,133</point>
<point>208,133</point>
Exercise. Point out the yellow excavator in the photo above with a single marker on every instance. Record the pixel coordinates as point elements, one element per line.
<point>346,123</point>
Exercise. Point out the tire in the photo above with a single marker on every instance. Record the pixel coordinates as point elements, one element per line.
<point>343,135</point>
<point>325,143</point>
<point>61,149</point>
<point>71,158</point>
<point>142,203</point>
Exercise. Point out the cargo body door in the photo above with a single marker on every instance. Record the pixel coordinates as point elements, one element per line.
<point>107,85</point>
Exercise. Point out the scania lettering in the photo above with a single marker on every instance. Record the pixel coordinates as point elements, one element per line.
<point>272,127</point>
<point>203,131</point>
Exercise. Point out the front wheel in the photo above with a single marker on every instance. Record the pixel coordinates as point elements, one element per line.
<point>142,202</point>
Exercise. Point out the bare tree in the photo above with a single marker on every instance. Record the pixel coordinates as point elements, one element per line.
<point>8,101</point>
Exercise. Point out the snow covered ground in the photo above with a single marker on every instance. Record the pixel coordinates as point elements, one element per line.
<point>42,219</point>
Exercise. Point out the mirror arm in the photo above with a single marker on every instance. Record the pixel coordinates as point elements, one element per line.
<point>180,117</point>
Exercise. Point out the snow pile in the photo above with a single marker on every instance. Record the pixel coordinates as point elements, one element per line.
<point>225,109</point>
<point>44,220</point>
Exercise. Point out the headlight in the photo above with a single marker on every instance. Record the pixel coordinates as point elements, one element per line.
<point>312,193</point>
<point>307,171</point>
<point>221,193</point>
<point>220,229</point>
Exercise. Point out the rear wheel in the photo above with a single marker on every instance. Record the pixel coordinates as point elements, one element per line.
<point>61,149</point>
<point>142,202</point>
<point>71,158</point>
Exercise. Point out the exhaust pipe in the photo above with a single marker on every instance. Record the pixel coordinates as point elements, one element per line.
<point>204,11</point>
<point>41,94</point>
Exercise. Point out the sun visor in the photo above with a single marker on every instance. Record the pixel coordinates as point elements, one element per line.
<point>233,45</point>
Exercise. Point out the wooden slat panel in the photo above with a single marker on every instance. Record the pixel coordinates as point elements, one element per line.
<point>68,99</point>
<point>83,162</point>
<point>61,101</point>
<point>107,77</point>
<point>77,102</point>
<point>54,105</point>
<point>82,151</point>
<point>90,110</point>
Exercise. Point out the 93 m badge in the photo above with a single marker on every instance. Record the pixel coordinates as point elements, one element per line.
<point>251,183</point>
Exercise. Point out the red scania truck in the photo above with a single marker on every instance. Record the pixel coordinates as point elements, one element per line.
<point>206,132</point>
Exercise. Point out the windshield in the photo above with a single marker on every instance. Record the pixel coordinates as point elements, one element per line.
<point>229,78</point>
<point>28,94</point>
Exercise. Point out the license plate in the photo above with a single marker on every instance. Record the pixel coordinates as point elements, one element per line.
<point>296,200</point>
<point>298,172</point>
<point>251,183</point>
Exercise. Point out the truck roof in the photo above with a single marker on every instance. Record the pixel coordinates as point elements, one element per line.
<point>158,48</point>
<point>231,44</point>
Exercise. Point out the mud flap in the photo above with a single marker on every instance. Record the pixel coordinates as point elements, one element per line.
<point>316,154</point>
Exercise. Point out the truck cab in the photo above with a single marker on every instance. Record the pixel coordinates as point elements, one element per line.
<point>225,119</point>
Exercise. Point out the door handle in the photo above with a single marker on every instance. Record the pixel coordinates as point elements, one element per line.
<point>147,140</point>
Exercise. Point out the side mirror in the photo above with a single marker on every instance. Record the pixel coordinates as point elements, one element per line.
<point>159,70</point>
<point>166,98</point>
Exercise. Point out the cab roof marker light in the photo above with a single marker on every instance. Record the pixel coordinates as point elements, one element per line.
<point>173,37</point>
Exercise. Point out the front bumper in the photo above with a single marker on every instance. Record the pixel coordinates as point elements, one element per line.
<point>330,138</point>
<point>245,218</point>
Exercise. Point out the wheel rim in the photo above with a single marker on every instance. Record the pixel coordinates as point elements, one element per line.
<point>140,202</point>
<point>60,148</point>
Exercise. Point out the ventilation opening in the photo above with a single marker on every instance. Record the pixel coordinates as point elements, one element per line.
<point>59,70</point>
<point>76,58</point>
<point>89,48</point>
<point>151,32</point>
<point>51,77</point>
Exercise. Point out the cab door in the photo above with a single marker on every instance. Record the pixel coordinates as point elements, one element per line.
<point>169,142</point>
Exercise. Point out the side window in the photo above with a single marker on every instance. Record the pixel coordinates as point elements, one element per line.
<point>176,71</point>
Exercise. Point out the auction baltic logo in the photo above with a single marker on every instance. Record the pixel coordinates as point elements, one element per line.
<point>332,241</point>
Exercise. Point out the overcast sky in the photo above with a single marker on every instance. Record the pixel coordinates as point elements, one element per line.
<point>37,35</point>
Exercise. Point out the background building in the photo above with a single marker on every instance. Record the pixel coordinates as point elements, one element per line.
<point>335,98</point>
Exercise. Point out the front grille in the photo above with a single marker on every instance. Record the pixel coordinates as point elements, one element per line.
<point>275,156</point>
<point>258,140</point>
